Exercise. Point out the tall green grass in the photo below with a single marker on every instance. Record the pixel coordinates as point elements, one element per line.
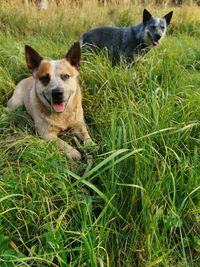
<point>138,204</point>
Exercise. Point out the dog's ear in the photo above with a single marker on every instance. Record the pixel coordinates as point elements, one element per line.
<point>168,17</point>
<point>33,59</point>
<point>74,55</point>
<point>146,16</point>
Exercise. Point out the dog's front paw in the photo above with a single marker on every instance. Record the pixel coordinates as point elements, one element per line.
<point>89,143</point>
<point>73,154</point>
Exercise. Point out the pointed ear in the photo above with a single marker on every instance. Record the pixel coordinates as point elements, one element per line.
<point>74,55</point>
<point>33,59</point>
<point>168,17</point>
<point>146,16</point>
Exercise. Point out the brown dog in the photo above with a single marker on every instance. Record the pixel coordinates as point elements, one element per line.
<point>52,97</point>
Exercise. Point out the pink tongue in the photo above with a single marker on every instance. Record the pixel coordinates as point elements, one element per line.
<point>156,42</point>
<point>59,107</point>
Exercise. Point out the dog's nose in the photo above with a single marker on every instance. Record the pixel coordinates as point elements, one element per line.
<point>157,36</point>
<point>57,94</point>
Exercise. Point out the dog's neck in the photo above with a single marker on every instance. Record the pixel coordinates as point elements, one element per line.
<point>137,31</point>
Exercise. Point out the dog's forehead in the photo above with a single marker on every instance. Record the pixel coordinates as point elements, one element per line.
<point>63,65</point>
<point>55,67</point>
<point>157,21</point>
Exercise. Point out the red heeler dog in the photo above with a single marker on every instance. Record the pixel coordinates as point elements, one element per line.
<point>52,97</point>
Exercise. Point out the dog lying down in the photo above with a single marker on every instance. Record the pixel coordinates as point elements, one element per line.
<point>52,97</point>
<point>127,42</point>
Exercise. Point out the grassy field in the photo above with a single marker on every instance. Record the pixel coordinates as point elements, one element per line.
<point>139,202</point>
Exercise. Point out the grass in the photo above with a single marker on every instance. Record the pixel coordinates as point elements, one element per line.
<point>139,202</point>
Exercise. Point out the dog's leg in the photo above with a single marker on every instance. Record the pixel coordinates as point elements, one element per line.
<point>16,100</point>
<point>80,130</point>
<point>71,152</point>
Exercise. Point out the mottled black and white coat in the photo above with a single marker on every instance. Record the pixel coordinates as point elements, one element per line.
<point>127,42</point>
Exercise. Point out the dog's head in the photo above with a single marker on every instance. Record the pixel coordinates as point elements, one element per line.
<point>55,80</point>
<point>155,28</point>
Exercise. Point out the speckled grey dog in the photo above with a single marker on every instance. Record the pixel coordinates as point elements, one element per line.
<point>127,42</point>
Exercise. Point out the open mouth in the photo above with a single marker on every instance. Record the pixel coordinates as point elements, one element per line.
<point>58,106</point>
<point>154,42</point>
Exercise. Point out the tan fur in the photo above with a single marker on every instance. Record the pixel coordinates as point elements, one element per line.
<point>44,68</point>
<point>47,122</point>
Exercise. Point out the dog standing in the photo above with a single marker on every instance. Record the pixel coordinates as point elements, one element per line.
<point>52,97</point>
<point>128,42</point>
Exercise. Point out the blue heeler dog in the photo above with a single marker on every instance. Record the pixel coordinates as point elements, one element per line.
<point>127,42</point>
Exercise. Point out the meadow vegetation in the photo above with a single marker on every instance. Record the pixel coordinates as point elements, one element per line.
<point>138,203</point>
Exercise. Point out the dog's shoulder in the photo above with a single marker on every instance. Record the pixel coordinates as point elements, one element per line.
<point>26,82</point>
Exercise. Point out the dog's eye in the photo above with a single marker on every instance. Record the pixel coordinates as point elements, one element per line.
<point>64,77</point>
<point>162,27</point>
<point>45,79</point>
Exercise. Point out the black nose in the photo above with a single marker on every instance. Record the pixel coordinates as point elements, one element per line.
<point>57,94</point>
<point>157,36</point>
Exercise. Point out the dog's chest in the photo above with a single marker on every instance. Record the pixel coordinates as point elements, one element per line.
<point>61,122</point>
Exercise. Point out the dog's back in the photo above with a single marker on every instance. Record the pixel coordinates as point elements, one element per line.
<point>103,37</point>
<point>112,39</point>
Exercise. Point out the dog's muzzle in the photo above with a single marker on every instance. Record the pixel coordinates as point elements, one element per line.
<point>156,39</point>
<point>57,95</point>
<point>58,103</point>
